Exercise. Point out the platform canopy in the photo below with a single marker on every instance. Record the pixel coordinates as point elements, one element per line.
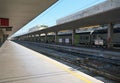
<point>111,16</point>
<point>20,12</point>
<point>104,13</point>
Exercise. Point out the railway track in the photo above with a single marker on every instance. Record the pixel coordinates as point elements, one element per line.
<point>96,64</point>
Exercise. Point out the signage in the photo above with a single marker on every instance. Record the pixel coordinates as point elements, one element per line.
<point>4,22</point>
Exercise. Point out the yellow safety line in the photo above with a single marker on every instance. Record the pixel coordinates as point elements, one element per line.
<point>67,70</point>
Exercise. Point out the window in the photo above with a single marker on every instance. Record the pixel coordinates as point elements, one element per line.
<point>8,29</point>
<point>87,37</point>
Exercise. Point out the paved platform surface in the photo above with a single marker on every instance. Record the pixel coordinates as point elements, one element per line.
<point>22,65</point>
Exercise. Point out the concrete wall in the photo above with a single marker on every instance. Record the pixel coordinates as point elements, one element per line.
<point>99,8</point>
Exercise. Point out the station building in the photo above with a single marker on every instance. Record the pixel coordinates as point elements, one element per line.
<point>5,29</point>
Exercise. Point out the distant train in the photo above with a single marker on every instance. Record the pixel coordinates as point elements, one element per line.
<point>96,37</point>
<point>99,37</point>
<point>102,34</point>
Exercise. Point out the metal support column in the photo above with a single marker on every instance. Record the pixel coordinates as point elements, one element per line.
<point>39,37</point>
<point>34,37</point>
<point>56,33</point>
<point>73,37</point>
<point>30,37</point>
<point>46,38</point>
<point>110,36</point>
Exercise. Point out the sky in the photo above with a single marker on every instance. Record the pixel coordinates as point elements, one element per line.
<point>58,10</point>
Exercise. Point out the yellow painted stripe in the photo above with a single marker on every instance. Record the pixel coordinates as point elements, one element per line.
<point>65,69</point>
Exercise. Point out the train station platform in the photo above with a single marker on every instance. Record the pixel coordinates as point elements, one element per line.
<point>22,65</point>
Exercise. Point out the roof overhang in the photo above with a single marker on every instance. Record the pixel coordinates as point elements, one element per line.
<point>20,12</point>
